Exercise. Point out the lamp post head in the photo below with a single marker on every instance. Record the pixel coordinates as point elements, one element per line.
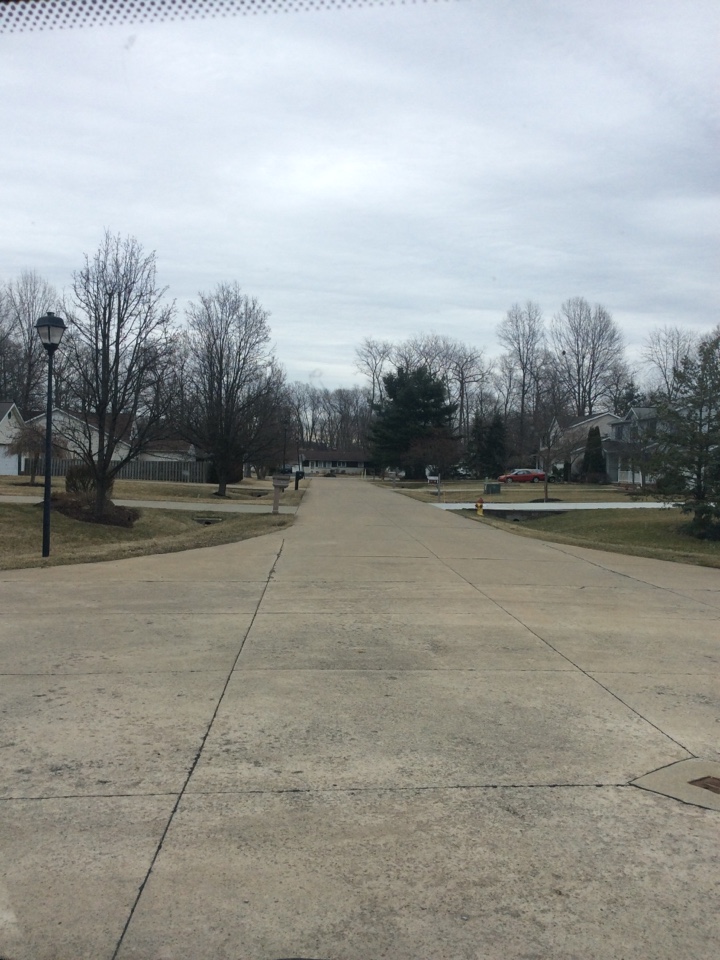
<point>50,329</point>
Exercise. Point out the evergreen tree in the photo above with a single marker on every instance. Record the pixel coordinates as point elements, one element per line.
<point>486,454</point>
<point>687,459</point>
<point>413,422</point>
<point>593,466</point>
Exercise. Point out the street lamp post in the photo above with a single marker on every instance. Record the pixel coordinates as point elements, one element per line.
<point>50,329</point>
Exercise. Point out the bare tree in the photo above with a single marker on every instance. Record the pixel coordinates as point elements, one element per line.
<point>504,380</point>
<point>119,358</point>
<point>6,348</point>
<point>24,301</point>
<point>460,368</point>
<point>230,382</point>
<point>522,333</point>
<point>589,349</point>
<point>549,413</point>
<point>371,359</point>
<point>305,402</point>
<point>664,351</point>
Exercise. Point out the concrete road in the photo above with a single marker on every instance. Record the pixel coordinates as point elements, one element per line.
<point>386,733</point>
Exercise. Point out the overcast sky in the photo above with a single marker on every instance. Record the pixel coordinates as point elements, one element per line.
<point>381,171</point>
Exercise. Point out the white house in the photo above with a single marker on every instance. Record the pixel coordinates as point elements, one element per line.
<point>10,421</point>
<point>75,434</point>
<point>318,462</point>
<point>572,437</point>
<point>168,448</point>
<point>628,450</point>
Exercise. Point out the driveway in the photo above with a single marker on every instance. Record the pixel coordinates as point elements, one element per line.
<point>384,733</point>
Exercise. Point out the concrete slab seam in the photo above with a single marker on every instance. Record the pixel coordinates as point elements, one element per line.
<point>621,573</point>
<point>594,679</point>
<point>194,763</point>
<point>554,649</point>
<point>430,788</point>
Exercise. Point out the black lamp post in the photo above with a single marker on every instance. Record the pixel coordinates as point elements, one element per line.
<point>50,329</point>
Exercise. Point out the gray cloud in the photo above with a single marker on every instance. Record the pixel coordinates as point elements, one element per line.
<point>380,171</point>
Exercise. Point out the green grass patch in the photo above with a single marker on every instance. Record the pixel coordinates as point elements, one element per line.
<point>157,531</point>
<point>659,534</point>
<point>469,491</point>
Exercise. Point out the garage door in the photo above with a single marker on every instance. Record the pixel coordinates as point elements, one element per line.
<point>8,463</point>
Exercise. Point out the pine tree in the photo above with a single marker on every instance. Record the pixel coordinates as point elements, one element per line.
<point>486,455</point>
<point>593,466</point>
<point>413,423</point>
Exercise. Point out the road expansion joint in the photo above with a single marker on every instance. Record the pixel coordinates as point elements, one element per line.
<point>621,573</point>
<point>550,646</point>
<point>90,796</point>
<point>426,788</point>
<point>196,758</point>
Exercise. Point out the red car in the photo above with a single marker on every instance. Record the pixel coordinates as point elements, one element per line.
<point>522,476</point>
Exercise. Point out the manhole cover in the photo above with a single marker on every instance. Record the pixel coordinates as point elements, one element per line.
<point>707,783</point>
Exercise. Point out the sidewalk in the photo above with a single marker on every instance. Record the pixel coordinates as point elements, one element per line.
<point>384,733</point>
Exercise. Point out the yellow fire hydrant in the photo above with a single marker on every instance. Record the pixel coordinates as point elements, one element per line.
<point>479,506</point>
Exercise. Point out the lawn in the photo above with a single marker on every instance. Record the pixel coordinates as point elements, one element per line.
<point>249,491</point>
<point>642,533</point>
<point>469,491</point>
<point>157,531</point>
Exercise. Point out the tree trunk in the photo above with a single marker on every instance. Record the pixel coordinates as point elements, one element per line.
<point>101,489</point>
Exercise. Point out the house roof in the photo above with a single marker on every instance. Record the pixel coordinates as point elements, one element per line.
<point>642,413</point>
<point>168,445</point>
<point>359,456</point>
<point>577,421</point>
<point>124,420</point>
<point>5,408</point>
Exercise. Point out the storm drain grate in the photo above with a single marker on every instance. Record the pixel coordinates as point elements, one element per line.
<point>707,783</point>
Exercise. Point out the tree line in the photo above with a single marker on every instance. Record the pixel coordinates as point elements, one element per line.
<point>133,372</point>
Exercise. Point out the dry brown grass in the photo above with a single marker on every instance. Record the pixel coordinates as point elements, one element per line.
<point>157,531</point>
<point>249,491</point>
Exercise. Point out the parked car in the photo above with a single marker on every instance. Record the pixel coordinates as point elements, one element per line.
<point>522,475</point>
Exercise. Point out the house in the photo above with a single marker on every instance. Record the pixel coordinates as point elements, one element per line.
<point>168,448</point>
<point>630,446</point>
<point>571,438</point>
<point>10,421</point>
<point>351,462</point>
<point>74,433</point>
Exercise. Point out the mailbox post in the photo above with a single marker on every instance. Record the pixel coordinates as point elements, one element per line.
<point>280,482</point>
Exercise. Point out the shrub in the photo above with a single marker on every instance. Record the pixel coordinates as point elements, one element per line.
<point>80,481</point>
<point>79,507</point>
<point>705,523</point>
